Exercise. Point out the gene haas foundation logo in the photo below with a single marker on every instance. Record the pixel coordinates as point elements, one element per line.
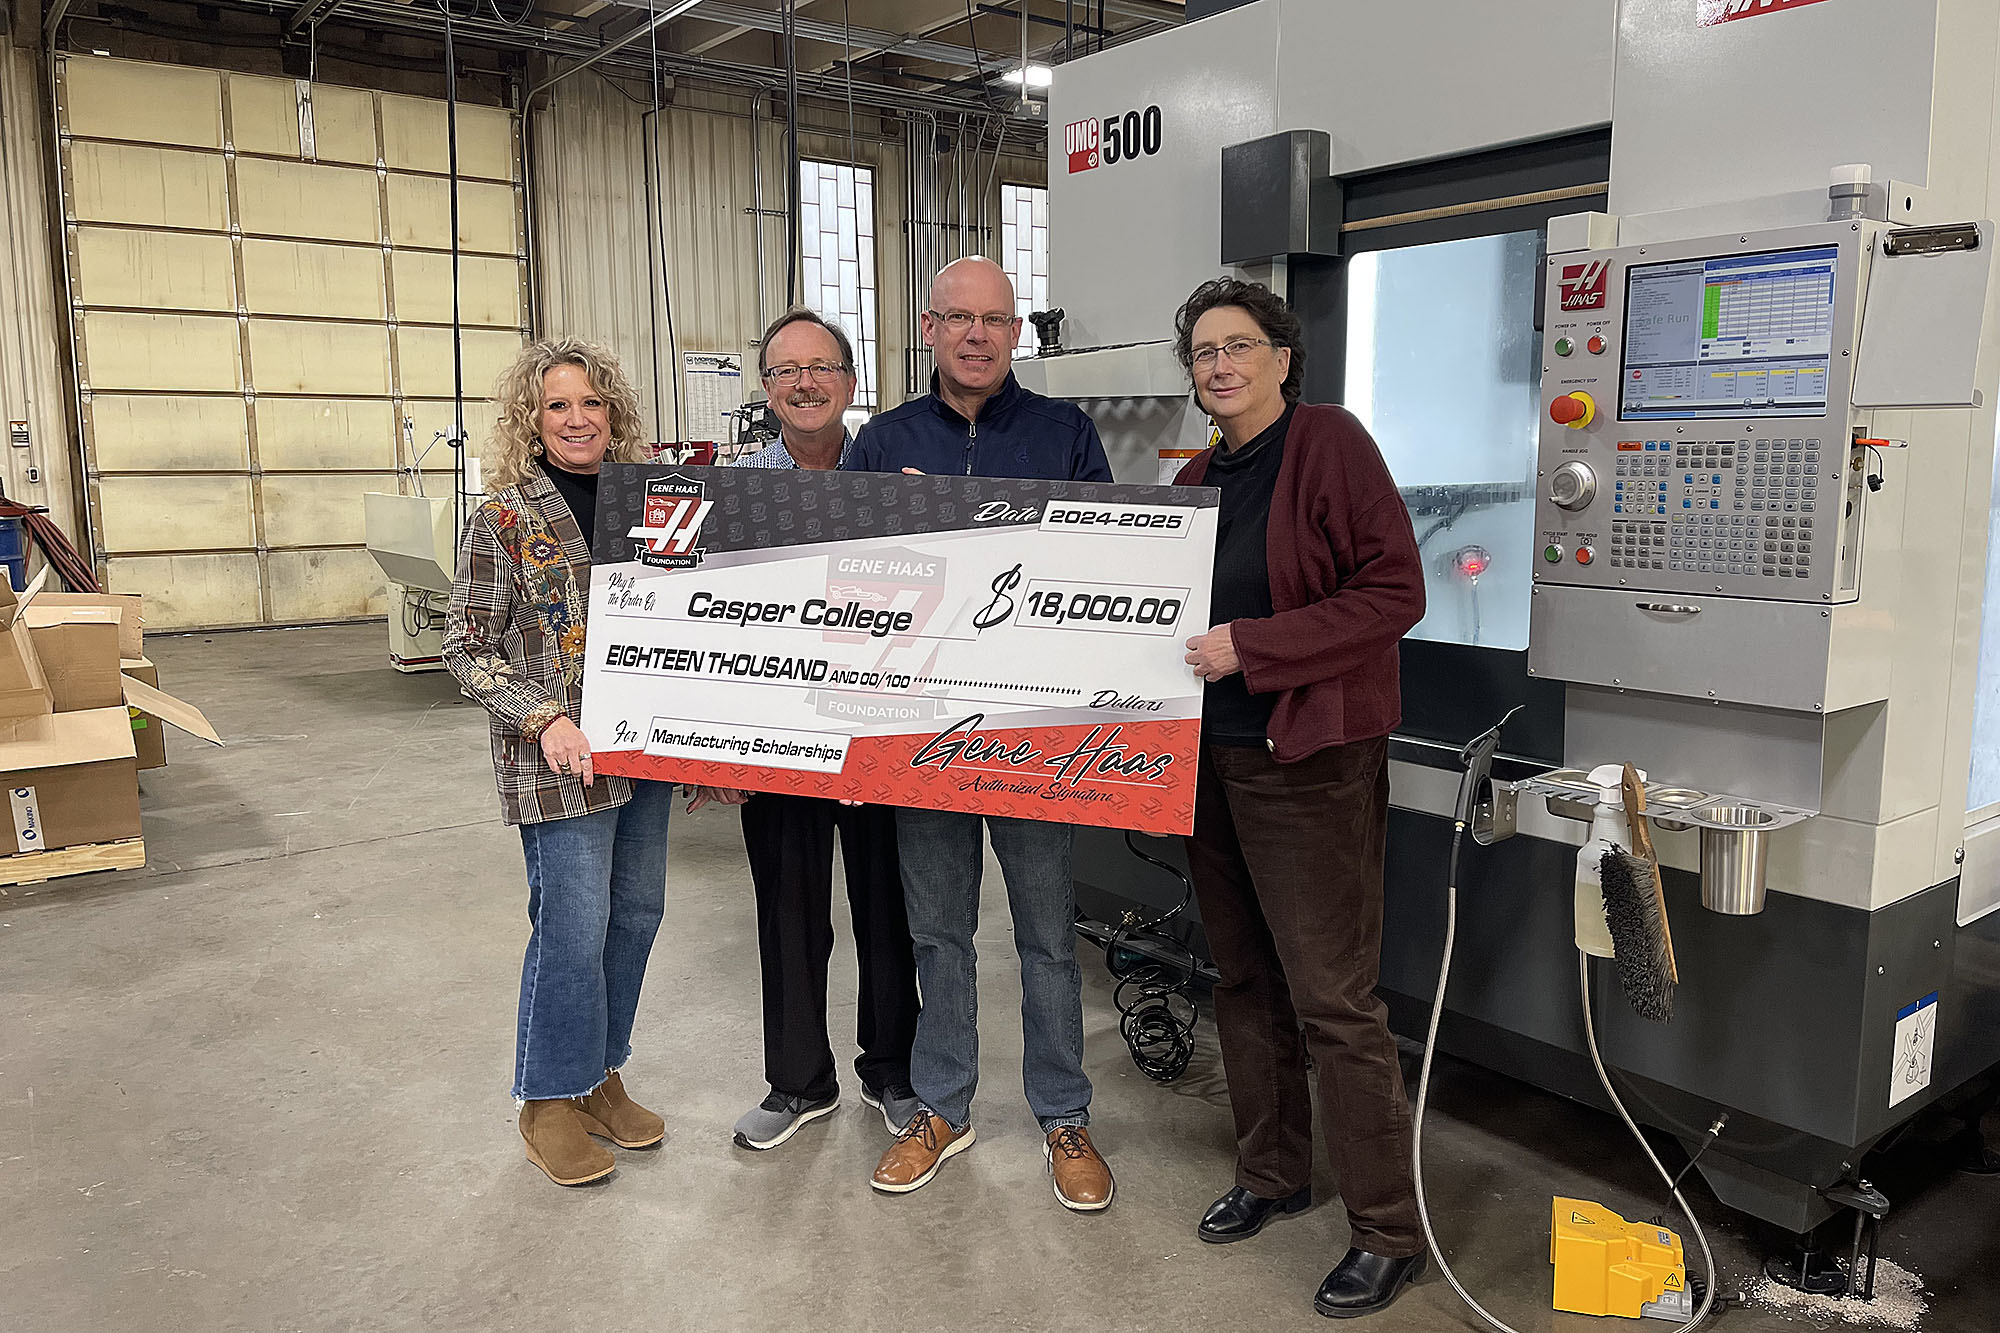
<point>1081,140</point>
<point>675,508</point>
<point>1710,12</point>
<point>1583,285</point>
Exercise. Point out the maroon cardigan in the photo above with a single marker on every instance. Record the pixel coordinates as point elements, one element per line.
<point>1346,585</point>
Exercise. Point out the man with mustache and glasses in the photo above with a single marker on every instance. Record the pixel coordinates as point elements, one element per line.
<point>807,366</point>
<point>977,420</point>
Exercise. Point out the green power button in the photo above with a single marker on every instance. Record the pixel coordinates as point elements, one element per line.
<point>1552,553</point>
<point>1564,347</point>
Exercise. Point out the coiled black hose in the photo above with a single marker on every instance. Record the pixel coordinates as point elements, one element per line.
<point>1155,973</point>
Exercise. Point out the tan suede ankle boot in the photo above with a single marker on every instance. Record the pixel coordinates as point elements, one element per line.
<point>610,1114</point>
<point>558,1144</point>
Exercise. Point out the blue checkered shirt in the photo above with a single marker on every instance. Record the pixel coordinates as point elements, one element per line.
<point>775,455</point>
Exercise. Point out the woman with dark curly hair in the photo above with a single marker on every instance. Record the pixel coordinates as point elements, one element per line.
<point>596,847</point>
<point>1317,579</point>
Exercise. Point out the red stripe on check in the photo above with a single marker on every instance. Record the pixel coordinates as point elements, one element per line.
<point>879,771</point>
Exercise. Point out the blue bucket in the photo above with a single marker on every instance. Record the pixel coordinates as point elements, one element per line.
<point>14,552</point>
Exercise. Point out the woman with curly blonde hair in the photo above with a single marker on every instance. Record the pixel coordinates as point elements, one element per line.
<point>596,847</point>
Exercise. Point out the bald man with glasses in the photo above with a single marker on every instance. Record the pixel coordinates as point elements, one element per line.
<point>977,420</point>
<point>807,365</point>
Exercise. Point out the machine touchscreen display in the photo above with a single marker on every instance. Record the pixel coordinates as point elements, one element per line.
<point>1744,335</point>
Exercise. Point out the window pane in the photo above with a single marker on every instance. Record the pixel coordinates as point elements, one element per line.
<point>1985,789</point>
<point>839,276</point>
<point>1024,250</point>
<point>1442,368</point>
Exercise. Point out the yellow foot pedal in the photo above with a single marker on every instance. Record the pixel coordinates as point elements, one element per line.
<point>1608,1266</point>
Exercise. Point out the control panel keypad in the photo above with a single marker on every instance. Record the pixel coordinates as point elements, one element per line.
<point>1737,507</point>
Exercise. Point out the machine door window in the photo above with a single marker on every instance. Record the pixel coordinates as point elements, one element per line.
<point>1983,796</point>
<point>1442,366</point>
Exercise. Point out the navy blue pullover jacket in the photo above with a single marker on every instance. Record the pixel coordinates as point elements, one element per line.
<point>1019,433</point>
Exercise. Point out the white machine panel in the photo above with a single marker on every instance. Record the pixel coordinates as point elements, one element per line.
<point>1129,238</point>
<point>1519,71</point>
<point>1774,79</point>
<point>1714,456</point>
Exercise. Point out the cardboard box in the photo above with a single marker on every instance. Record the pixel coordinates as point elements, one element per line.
<point>76,712</point>
<point>78,650</point>
<point>158,704</point>
<point>70,778</point>
<point>130,607</point>
<point>24,691</point>
<point>149,734</point>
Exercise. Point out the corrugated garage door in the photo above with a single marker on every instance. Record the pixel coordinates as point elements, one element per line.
<point>261,276</point>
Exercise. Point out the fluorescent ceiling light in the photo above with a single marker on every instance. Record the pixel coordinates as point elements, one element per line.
<point>1035,76</point>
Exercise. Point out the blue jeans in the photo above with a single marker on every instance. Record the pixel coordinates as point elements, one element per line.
<point>597,887</point>
<point>942,859</point>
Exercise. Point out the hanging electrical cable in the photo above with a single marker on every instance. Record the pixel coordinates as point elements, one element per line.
<point>658,173</point>
<point>1478,757</point>
<point>70,567</point>
<point>458,441</point>
<point>1155,972</point>
<point>847,66</point>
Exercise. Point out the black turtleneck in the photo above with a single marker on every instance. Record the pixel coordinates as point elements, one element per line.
<point>579,492</point>
<point>1247,478</point>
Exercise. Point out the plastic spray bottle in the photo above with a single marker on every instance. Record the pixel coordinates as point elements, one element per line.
<point>1608,828</point>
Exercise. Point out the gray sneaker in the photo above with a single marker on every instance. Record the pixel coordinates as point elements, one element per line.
<point>777,1118</point>
<point>897,1103</point>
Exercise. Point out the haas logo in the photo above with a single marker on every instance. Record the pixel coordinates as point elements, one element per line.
<point>675,508</point>
<point>1080,140</point>
<point>1583,285</point>
<point>1710,12</point>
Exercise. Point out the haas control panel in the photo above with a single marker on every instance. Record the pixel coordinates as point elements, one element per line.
<point>1696,432</point>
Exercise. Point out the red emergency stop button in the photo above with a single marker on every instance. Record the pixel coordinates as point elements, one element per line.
<point>1596,344</point>
<point>1575,410</point>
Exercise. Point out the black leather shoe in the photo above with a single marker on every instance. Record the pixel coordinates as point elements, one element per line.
<point>1363,1283</point>
<point>1239,1214</point>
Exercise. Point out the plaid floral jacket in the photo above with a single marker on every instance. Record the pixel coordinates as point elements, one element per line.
<point>514,639</point>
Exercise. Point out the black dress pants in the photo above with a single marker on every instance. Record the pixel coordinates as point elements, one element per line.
<point>790,844</point>
<point>1287,863</point>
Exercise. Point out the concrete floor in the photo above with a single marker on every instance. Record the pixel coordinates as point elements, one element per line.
<point>262,1084</point>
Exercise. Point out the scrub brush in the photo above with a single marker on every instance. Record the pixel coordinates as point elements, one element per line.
<point>1635,909</point>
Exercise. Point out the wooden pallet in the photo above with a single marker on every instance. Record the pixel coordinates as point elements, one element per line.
<point>35,867</point>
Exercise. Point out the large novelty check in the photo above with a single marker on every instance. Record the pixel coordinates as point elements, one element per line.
<point>956,643</point>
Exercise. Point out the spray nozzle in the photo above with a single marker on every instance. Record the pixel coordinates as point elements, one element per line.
<point>1609,779</point>
<point>1477,756</point>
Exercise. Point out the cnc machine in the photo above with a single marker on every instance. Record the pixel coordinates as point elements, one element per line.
<point>1689,390</point>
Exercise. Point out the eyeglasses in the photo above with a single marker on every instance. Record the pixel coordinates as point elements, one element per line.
<point>1237,351</point>
<point>786,377</point>
<point>958,321</point>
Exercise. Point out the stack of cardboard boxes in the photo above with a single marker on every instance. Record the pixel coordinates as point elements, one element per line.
<point>80,715</point>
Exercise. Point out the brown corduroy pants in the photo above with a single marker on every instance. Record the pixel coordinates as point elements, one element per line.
<point>1287,865</point>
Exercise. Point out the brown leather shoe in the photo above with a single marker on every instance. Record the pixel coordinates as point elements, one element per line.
<point>610,1114</point>
<point>1082,1177</point>
<point>557,1143</point>
<point>918,1152</point>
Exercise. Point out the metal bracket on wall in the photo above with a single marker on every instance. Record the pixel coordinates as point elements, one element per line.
<point>1569,794</point>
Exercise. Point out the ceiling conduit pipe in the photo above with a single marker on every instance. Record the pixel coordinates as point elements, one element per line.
<point>757,198</point>
<point>458,441</point>
<point>791,39</point>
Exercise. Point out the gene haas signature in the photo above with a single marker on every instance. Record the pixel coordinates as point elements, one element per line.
<point>1098,755</point>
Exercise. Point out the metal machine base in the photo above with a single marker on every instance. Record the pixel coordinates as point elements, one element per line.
<point>1785,1019</point>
